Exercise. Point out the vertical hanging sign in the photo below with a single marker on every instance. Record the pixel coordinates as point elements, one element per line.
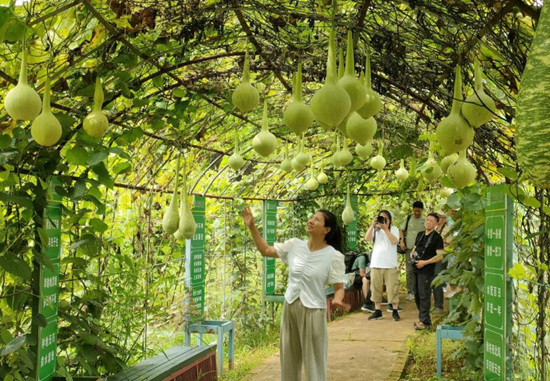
<point>498,290</point>
<point>194,254</point>
<point>351,229</point>
<point>269,233</point>
<point>49,287</point>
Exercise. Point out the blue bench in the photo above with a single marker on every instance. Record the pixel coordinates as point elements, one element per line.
<point>445,332</point>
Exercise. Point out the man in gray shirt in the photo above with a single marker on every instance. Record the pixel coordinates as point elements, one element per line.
<point>411,226</point>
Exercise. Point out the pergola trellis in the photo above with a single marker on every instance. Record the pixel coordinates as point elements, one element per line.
<point>192,46</point>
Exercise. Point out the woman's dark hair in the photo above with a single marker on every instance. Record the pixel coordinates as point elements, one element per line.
<point>388,214</point>
<point>334,236</point>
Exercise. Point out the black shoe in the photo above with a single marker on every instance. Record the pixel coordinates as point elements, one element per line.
<point>368,307</point>
<point>390,308</point>
<point>395,316</point>
<point>377,315</point>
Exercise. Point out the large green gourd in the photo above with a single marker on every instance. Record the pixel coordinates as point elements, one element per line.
<point>171,220</point>
<point>355,89</point>
<point>298,116</point>
<point>23,102</point>
<point>479,108</point>
<point>187,225</point>
<point>96,123</point>
<point>373,103</point>
<point>46,129</point>
<point>245,97</point>
<point>533,110</point>
<point>265,142</point>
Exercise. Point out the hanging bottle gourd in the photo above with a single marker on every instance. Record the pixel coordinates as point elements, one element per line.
<point>312,183</point>
<point>331,103</point>
<point>286,165</point>
<point>236,161</point>
<point>447,161</point>
<point>335,158</point>
<point>462,173</point>
<point>373,103</point>
<point>298,116</point>
<point>479,108</point>
<point>355,89</point>
<point>347,215</point>
<point>361,130</point>
<point>96,123</point>
<point>246,97</point>
<point>333,146</point>
<point>453,132</point>
<point>187,225</point>
<point>265,142</point>
<point>322,176</point>
<point>432,171</point>
<point>23,102</point>
<point>302,159</point>
<point>46,129</point>
<point>345,157</point>
<point>446,192</point>
<point>171,220</point>
<point>364,151</point>
<point>378,162</point>
<point>402,174</point>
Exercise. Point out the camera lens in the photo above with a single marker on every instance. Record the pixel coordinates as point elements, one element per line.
<point>380,219</point>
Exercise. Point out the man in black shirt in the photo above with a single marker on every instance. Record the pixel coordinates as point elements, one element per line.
<point>427,250</point>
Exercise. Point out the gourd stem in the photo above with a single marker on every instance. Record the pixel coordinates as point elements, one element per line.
<point>331,61</point>
<point>477,76</point>
<point>46,103</point>
<point>340,63</point>
<point>23,71</point>
<point>246,71</point>
<point>265,126</point>
<point>297,94</point>
<point>350,62</point>
<point>98,95</point>
<point>457,97</point>
<point>368,84</point>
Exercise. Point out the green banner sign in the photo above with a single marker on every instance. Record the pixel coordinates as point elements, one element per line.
<point>49,287</point>
<point>270,235</point>
<point>195,252</point>
<point>498,290</point>
<point>351,229</point>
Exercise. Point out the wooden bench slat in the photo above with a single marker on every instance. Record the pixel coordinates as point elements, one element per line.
<point>151,363</point>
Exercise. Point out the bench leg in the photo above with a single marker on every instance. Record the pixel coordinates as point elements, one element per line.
<point>220,351</point>
<point>438,350</point>
<point>230,344</point>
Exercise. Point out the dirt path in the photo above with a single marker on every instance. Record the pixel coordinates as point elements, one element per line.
<point>359,349</point>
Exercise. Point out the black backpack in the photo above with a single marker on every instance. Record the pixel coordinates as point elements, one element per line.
<point>350,257</point>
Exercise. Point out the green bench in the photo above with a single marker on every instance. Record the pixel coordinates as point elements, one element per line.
<point>177,363</point>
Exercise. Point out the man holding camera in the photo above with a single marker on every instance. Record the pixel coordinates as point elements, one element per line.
<point>427,250</point>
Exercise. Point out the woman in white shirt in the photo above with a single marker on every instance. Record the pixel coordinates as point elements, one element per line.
<point>312,264</point>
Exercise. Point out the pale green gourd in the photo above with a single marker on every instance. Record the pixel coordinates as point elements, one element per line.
<point>340,63</point>
<point>453,132</point>
<point>342,127</point>
<point>312,183</point>
<point>298,116</point>
<point>402,174</point>
<point>364,151</point>
<point>446,192</point>
<point>46,129</point>
<point>355,89</point>
<point>322,177</point>
<point>331,104</point>
<point>373,103</point>
<point>345,157</point>
<point>236,161</point>
<point>432,171</point>
<point>479,108</point>
<point>359,129</point>
<point>187,225</point>
<point>171,220</point>
<point>23,102</point>
<point>333,146</point>
<point>96,123</point>
<point>286,165</point>
<point>462,173</point>
<point>265,142</point>
<point>302,159</point>
<point>335,158</point>
<point>347,215</point>
<point>246,97</point>
<point>378,162</point>
<point>447,161</point>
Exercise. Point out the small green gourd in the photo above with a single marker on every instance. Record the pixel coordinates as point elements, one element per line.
<point>298,116</point>
<point>345,157</point>
<point>462,173</point>
<point>359,129</point>
<point>402,174</point>
<point>355,89</point>
<point>432,171</point>
<point>46,129</point>
<point>479,108</point>
<point>264,143</point>
<point>322,176</point>
<point>96,123</point>
<point>453,132</point>
<point>373,103</point>
<point>331,104</point>
<point>171,220</point>
<point>364,151</point>
<point>335,158</point>
<point>187,225</point>
<point>236,161</point>
<point>378,162</point>
<point>347,215</point>
<point>302,159</point>
<point>246,97</point>
<point>23,102</point>
<point>312,183</point>
<point>447,161</point>
<point>286,165</point>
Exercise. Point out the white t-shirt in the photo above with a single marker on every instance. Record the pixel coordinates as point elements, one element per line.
<point>384,253</point>
<point>309,271</point>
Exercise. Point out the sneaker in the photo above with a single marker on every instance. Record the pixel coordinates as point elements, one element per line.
<point>377,315</point>
<point>390,308</point>
<point>409,297</point>
<point>368,307</point>
<point>395,316</point>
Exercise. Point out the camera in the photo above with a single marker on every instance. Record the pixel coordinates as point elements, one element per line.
<point>414,259</point>
<point>381,219</point>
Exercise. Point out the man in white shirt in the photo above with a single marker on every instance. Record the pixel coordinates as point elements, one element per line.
<point>384,265</point>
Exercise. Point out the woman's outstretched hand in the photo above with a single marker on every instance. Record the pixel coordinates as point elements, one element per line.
<point>341,305</point>
<point>248,218</point>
